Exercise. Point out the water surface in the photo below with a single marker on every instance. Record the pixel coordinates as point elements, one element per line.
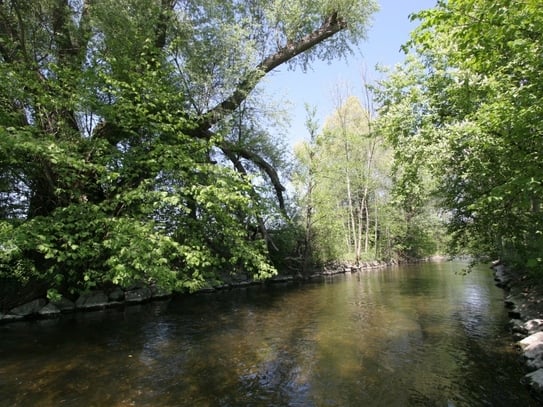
<point>412,336</point>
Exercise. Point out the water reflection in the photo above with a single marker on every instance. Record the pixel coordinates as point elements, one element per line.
<point>419,336</point>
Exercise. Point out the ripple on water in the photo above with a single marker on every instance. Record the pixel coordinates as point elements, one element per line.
<point>413,336</point>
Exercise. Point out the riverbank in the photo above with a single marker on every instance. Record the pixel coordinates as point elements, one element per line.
<point>524,300</point>
<point>42,308</point>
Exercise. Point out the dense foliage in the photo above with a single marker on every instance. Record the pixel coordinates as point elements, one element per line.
<point>135,146</point>
<point>349,201</point>
<point>130,140</point>
<point>465,110</point>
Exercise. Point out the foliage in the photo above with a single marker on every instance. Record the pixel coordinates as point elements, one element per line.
<point>344,184</point>
<point>463,109</point>
<point>128,150</point>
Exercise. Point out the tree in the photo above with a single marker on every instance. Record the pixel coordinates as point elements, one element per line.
<point>305,181</point>
<point>344,176</point>
<point>465,104</point>
<point>117,120</point>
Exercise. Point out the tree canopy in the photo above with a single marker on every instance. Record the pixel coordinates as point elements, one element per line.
<point>464,109</point>
<point>135,145</point>
<point>130,145</point>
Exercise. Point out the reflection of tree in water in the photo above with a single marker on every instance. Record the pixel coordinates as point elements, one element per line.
<point>363,340</point>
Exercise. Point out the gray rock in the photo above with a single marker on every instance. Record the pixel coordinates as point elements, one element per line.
<point>94,300</point>
<point>205,289</point>
<point>532,346</point>
<point>281,279</point>
<point>501,276</point>
<point>536,363</point>
<point>514,313</point>
<point>50,310</point>
<point>533,326</point>
<point>511,301</point>
<point>11,318</point>
<point>64,305</point>
<point>138,295</point>
<point>116,295</point>
<point>535,379</point>
<point>517,326</point>
<point>29,308</point>
<point>159,292</point>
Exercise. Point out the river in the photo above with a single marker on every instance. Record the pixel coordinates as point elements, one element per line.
<point>419,335</point>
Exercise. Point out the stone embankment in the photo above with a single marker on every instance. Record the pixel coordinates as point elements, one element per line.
<point>524,301</point>
<point>95,300</point>
<point>116,297</point>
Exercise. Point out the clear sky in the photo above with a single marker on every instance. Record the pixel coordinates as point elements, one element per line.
<point>390,29</point>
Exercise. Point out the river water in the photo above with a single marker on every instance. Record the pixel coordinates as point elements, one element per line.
<point>419,335</point>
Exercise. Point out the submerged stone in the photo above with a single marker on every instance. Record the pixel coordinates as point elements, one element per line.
<point>11,318</point>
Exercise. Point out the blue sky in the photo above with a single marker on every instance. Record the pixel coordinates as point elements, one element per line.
<point>389,30</point>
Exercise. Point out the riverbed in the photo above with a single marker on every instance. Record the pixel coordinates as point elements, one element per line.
<point>417,335</point>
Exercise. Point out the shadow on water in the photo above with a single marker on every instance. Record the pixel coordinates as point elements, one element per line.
<point>412,336</point>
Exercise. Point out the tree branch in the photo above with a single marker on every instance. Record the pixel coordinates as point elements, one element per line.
<point>231,150</point>
<point>332,25</point>
<point>166,7</point>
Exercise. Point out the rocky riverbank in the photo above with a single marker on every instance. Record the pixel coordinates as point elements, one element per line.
<point>40,308</point>
<point>524,300</point>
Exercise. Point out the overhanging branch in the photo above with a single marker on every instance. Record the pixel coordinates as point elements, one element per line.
<point>332,25</point>
<point>232,151</point>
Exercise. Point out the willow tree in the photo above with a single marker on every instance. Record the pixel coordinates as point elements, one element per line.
<point>463,110</point>
<point>126,139</point>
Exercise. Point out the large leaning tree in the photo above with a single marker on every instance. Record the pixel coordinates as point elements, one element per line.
<point>131,148</point>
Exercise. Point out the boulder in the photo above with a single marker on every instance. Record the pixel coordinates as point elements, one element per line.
<point>532,346</point>
<point>517,326</point>
<point>29,308</point>
<point>535,363</point>
<point>205,290</point>
<point>50,310</point>
<point>10,318</point>
<point>244,283</point>
<point>533,326</point>
<point>501,277</point>
<point>94,300</point>
<point>281,279</point>
<point>535,380</point>
<point>511,301</point>
<point>159,292</point>
<point>514,313</point>
<point>116,295</point>
<point>64,304</point>
<point>138,295</point>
